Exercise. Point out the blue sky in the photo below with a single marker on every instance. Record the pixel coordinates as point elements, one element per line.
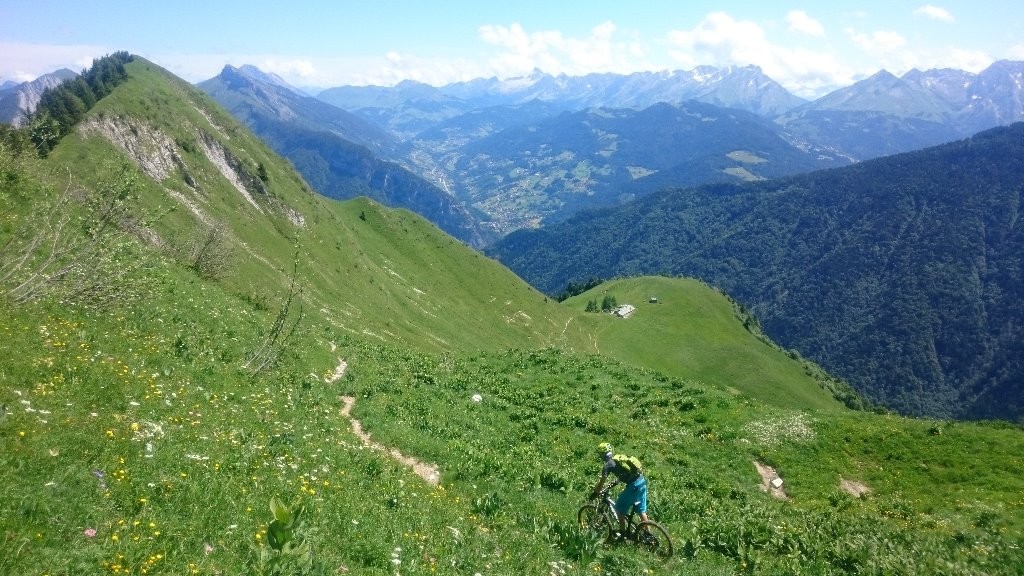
<point>810,48</point>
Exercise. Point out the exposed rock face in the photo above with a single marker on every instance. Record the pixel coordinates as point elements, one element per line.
<point>231,168</point>
<point>22,99</point>
<point>154,152</point>
<point>159,157</point>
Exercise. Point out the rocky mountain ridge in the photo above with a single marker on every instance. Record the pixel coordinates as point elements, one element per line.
<point>18,99</point>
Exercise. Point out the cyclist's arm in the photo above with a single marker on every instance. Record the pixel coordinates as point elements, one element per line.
<point>600,483</point>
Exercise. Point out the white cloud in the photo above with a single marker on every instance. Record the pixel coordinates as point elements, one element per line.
<point>1017,52</point>
<point>799,21</point>
<point>22,62</point>
<point>934,12</point>
<point>520,51</point>
<point>395,67</point>
<point>721,40</point>
<point>970,60</point>
<point>878,42</point>
<point>291,68</point>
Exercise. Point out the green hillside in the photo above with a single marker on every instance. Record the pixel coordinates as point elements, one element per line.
<point>694,332</point>
<point>169,383</point>
<point>366,270</point>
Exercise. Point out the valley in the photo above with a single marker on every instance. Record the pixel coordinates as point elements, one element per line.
<point>191,382</point>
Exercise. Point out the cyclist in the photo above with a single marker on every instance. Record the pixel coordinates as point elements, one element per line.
<point>629,471</point>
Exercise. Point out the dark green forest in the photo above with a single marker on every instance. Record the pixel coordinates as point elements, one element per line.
<point>60,108</point>
<point>902,275</point>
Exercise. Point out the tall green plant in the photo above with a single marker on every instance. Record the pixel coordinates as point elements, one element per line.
<point>289,551</point>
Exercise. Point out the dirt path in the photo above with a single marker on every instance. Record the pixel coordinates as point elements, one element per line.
<point>428,472</point>
<point>339,371</point>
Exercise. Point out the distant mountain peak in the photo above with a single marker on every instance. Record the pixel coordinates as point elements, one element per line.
<point>882,74</point>
<point>21,98</point>
<point>254,73</point>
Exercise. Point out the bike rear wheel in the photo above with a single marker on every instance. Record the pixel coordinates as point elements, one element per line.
<point>591,517</point>
<point>654,537</point>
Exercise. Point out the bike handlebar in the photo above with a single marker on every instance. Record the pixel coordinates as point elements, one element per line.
<point>604,491</point>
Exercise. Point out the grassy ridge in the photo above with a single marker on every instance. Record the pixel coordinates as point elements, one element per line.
<point>387,274</point>
<point>692,332</point>
<point>134,440</point>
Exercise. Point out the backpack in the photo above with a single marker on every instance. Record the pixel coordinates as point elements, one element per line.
<point>627,468</point>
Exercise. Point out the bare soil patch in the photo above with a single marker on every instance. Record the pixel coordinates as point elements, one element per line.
<point>339,371</point>
<point>771,482</point>
<point>854,488</point>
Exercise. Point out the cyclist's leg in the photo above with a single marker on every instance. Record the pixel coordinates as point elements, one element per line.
<point>625,500</point>
<point>623,503</point>
<point>641,501</point>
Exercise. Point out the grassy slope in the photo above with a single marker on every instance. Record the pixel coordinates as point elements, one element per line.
<point>693,332</point>
<point>389,275</point>
<point>140,424</point>
<point>392,276</point>
<point>191,449</point>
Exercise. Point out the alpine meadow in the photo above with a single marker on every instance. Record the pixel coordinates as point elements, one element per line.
<point>210,367</point>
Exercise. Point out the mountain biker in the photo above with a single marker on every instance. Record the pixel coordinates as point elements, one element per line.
<point>629,471</point>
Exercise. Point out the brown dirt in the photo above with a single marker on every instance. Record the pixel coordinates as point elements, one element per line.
<point>428,472</point>
<point>769,479</point>
<point>854,488</point>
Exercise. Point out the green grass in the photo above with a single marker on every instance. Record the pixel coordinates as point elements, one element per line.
<point>693,332</point>
<point>134,441</point>
<point>192,448</point>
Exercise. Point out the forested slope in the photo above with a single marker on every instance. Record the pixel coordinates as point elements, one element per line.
<point>901,274</point>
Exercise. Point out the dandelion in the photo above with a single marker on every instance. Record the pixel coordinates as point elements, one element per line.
<point>477,398</point>
<point>90,532</point>
<point>207,548</point>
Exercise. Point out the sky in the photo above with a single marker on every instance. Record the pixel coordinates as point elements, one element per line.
<point>810,48</point>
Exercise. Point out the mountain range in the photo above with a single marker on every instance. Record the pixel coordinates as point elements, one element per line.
<point>885,114</point>
<point>549,169</point>
<point>206,367</point>
<point>444,151</point>
<point>341,155</point>
<point>463,132</point>
<point>918,109</point>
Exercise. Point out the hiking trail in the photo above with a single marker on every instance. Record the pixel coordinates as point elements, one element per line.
<point>428,472</point>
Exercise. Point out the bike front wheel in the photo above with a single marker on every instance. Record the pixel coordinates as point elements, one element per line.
<point>591,517</point>
<point>654,538</point>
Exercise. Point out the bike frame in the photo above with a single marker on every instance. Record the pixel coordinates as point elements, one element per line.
<point>653,535</point>
<point>630,524</point>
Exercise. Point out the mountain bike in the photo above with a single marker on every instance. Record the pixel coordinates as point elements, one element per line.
<point>602,518</point>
